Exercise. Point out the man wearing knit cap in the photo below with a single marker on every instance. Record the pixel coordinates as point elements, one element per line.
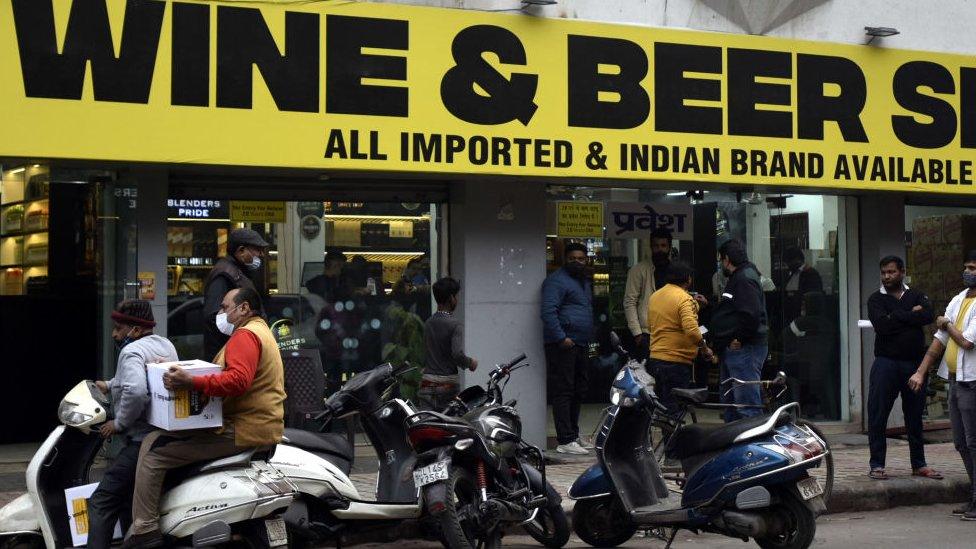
<point>132,331</point>
<point>245,248</point>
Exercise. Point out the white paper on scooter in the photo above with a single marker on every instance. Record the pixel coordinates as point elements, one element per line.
<point>77,501</point>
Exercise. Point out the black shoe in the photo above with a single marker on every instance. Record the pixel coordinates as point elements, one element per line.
<point>971,513</point>
<point>961,510</point>
<point>149,540</point>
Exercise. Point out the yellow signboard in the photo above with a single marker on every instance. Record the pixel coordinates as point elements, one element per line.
<point>579,219</point>
<point>345,86</point>
<point>257,212</point>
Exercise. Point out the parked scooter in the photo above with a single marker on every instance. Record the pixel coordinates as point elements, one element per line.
<point>329,507</point>
<point>745,479</point>
<point>203,505</point>
<point>473,471</point>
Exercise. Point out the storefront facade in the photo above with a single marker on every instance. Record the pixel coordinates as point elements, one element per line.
<point>420,142</point>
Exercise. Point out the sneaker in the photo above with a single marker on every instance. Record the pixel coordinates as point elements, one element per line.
<point>584,445</point>
<point>572,448</point>
<point>970,514</point>
<point>961,510</point>
<point>149,540</point>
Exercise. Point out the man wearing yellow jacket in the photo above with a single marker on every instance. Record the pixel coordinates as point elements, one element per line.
<point>676,338</point>
<point>252,385</point>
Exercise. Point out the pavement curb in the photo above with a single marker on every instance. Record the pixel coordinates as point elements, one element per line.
<point>896,492</point>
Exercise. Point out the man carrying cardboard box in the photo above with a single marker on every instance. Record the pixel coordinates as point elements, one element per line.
<point>253,388</point>
<point>132,331</point>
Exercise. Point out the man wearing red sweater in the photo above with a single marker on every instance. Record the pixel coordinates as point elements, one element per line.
<point>252,386</point>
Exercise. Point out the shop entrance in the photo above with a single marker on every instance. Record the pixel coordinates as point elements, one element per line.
<point>345,279</point>
<point>796,241</point>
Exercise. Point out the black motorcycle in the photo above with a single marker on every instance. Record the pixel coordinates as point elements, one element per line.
<point>474,473</point>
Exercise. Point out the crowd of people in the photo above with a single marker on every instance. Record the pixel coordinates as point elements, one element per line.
<point>663,318</point>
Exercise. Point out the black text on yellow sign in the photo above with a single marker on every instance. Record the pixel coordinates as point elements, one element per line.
<point>339,85</point>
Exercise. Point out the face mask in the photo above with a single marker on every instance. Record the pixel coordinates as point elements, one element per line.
<point>969,279</point>
<point>224,325</point>
<point>660,258</point>
<point>120,344</point>
<point>575,269</point>
<point>255,263</point>
<point>726,272</point>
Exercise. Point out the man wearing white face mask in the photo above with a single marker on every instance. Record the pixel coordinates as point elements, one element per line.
<point>245,248</point>
<point>252,385</point>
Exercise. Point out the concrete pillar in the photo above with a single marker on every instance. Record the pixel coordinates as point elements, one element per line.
<point>497,234</point>
<point>879,237</point>
<point>153,185</point>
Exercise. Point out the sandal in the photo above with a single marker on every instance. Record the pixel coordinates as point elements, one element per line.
<point>927,472</point>
<point>878,474</point>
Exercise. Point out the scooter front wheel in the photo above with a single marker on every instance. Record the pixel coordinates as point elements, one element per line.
<point>602,522</point>
<point>550,527</point>
<point>800,523</point>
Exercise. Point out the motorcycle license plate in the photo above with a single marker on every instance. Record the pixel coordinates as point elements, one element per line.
<point>809,488</point>
<point>277,533</point>
<point>431,473</point>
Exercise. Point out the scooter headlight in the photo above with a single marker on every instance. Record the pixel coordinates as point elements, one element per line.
<point>618,397</point>
<point>68,415</point>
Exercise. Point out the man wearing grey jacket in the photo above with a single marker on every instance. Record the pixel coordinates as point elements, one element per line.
<point>132,331</point>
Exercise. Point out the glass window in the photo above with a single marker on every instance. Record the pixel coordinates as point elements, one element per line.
<point>793,239</point>
<point>937,240</point>
<point>350,280</point>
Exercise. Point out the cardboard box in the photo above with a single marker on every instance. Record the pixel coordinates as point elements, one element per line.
<point>927,231</point>
<point>76,499</point>
<point>180,410</point>
<point>959,229</point>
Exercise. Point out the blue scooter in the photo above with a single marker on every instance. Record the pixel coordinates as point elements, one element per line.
<point>745,479</point>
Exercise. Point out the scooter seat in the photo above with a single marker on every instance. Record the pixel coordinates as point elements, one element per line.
<point>333,447</point>
<point>235,461</point>
<point>699,438</point>
<point>691,396</point>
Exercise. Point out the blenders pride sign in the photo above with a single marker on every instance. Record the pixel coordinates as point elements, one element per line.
<point>359,86</point>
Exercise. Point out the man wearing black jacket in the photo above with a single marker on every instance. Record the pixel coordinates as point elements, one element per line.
<point>898,314</point>
<point>739,328</point>
<point>245,248</point>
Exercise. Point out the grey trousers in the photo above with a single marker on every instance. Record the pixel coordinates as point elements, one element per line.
<point>162,451</point>
<point>962,413</point>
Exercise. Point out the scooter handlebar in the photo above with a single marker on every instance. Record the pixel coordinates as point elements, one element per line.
<point>516,360</point>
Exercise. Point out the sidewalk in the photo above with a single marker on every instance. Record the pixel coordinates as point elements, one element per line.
<point>853,490</point>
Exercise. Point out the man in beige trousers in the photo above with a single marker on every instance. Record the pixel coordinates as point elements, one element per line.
<point>252,385</point>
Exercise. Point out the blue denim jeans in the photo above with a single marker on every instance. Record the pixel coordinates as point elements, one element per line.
<point>745,364</point>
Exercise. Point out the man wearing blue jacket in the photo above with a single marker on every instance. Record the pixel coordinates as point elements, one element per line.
<point>567,318</point>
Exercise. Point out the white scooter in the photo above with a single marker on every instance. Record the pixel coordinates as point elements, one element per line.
<point>203,504</point>
<point>329,506</point>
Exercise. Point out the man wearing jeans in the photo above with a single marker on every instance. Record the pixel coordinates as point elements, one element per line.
<point>676,338</point>
<point>567,318</point>
<point>898,314</point>
<point>740,326</point>
<point>954,345</point>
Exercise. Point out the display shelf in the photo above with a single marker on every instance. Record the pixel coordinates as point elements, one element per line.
<point>11,234</point>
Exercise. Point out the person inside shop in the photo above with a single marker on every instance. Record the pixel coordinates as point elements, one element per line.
<point>800,279</point>
<point>253,388</point>
<point>898,314</point>
<point>739,328</point>
<point>245,248</point>
<point>809,353</point>
<point>132,330</point>
<point>567,318</point>
<point>954,347</point>
<point>676,339</point>
<point>330,285</point>
<point>444,344</point>
<point>642,279</point>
